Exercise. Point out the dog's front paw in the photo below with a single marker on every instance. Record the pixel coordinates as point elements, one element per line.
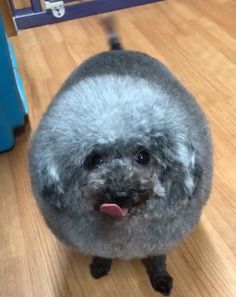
<point>98,271</point>
<point>100,267</point>
<point>162,283</point>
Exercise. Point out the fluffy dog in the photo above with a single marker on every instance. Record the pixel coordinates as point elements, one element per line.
<point>121,163</point>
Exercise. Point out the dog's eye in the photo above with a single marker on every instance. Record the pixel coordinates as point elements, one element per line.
<point>142,157</point>
<point>94,160</point>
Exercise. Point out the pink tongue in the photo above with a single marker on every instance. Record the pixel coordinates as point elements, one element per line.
<point>113,210</point>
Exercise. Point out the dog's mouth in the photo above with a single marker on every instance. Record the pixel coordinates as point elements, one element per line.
<point>124,207</point>
<point>114,210</point>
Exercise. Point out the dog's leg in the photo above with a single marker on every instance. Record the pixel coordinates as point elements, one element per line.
<point>100,267</point>
<point>160,279</point>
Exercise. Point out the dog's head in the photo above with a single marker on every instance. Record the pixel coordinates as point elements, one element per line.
<point>116,154</point>
<point>120,178</point>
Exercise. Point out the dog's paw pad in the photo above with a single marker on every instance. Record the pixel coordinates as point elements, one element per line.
<point>162,284</point>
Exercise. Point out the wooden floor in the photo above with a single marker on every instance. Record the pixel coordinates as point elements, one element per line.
<point>196,39</point>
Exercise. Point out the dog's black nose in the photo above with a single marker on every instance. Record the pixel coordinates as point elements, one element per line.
<point>121,197</point>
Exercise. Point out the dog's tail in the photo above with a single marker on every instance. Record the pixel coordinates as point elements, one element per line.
<point>109,24</point>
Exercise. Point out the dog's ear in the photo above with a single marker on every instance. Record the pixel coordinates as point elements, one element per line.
<point>183,172</point>
<point>191,170</point>
<point>51,187</point>
<point>182,169</point>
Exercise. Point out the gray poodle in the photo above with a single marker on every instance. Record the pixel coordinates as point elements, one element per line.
<point>121,163</point>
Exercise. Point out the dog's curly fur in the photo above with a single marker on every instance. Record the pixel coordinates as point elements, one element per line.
<point>114,104</point>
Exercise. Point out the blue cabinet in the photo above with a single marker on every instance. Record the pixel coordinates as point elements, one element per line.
<point>13,106</point>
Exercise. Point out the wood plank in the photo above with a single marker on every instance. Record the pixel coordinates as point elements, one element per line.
<point>7,18</point>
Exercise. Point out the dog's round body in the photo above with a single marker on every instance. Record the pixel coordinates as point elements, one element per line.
<point>113,105</point>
